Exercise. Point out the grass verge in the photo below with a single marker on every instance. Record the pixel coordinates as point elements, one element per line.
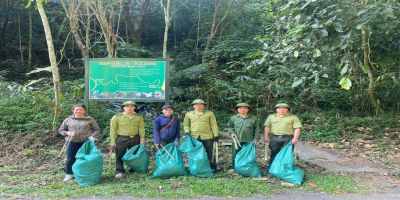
<point>45,181</point>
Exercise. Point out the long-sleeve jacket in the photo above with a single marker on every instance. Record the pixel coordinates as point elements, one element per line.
<point>201,125</point>
<point>172,132</point>
<point>83,128</point>
<point>247,129</point>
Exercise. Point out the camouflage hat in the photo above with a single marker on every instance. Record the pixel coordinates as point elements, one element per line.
<point>282,105</point>
<point>199,101</point>
<point>242,105</point>
<point>129,103</point>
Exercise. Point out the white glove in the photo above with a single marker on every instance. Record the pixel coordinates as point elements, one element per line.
<point>92,138</point>
<point>71,133</point>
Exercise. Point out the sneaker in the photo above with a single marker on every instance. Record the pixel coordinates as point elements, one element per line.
<point>68,177</point>
<point>118,175</point>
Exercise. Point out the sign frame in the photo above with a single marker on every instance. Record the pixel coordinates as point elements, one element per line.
<point>87,80</point>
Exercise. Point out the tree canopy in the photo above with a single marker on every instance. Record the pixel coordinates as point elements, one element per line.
<point>325,54</point>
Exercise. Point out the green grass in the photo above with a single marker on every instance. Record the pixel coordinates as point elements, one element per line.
<point>45,181</point>
<point>137,185</point>
<point>330,183</point>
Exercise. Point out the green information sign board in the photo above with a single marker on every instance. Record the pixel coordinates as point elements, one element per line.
<point>134,79</point>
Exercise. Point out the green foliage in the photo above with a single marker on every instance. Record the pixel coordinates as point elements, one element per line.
<point>319,43</point>
<point>334,126</point>
<point>24,110</point>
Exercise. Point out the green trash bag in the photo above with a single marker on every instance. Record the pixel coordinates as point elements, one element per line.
<point>198,161</point>
<point>168,166</point>
<point>88,166</point>
<point>282,166</point>
<point>245,161</point>
<point>137,158</point>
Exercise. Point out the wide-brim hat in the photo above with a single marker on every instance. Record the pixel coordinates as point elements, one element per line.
<point>167,106</point>
<point>199,101</point>
<point>242,105</point>
<point>282,105</point>
<point>129,103</point>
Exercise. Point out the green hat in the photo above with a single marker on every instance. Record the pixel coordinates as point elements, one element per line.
<point>129,103</point>
<point>282,105</point>
<point>199,101</point>
<point>242,105</point>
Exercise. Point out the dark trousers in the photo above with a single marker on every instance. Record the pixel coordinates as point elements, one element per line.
<point>208,146</point>
<point>123,143</point>
<point>72,149</point>
<point>235,151</point>
<point>276,143</point>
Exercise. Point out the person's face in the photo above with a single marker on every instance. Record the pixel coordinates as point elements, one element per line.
<point>198,106</point>
<point>243,110</point>
<point>282,111</point>
<point>79,111</point>
<point>168,111</point>
<point>129,108</point>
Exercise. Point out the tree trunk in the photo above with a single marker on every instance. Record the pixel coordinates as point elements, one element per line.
<point>215,24</point>
<point>30,37</point>
<point>129,21</point>
<point>140,23</point>
<point>21,52</point>
<point>135,26</point>
<point>53,62</point>
<point>71,11</point>
<point>167,20</point>
<point>198,28</point>
<point>367,69</point>
<point>3,29</point>
<point>106,27</point>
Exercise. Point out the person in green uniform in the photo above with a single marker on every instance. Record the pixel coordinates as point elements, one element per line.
<point>126,131</point>
<point>280,128</point>
<point>244,127</point>
<point>202,124</point>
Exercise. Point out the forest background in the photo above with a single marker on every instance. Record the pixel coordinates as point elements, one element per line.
<point>336,62</point>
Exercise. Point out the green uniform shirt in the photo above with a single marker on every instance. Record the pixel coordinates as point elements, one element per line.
<point>203,125</point>
<point>282,125</point>
<point>126,126</point>
<point>247,129</point>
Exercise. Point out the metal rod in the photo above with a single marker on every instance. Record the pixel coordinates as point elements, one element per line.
<point>65,145</point>
<point>216,153</point>
<point>167,152</point>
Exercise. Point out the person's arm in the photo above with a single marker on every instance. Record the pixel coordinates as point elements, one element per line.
<point>296,136</point>
<point>214,125</point>
<point>113,131</point>
<point>95,128</point>
<point>267,129</point>
<point>186,123</point>
<point>63,128</point>
<point>231,128</point>
<point>266,134</point>
<point>156,131</point>
<point>141,130</point>
<point>297,130</point>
